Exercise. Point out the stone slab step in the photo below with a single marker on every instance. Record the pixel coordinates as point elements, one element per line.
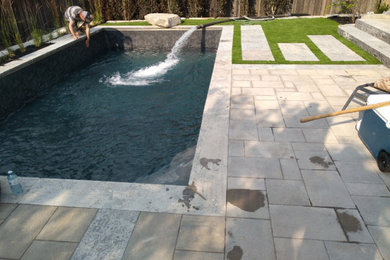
<point>376,47</point>
<point>380,28</point>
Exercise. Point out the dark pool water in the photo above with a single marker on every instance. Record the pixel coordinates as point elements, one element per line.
<point>86,128</point>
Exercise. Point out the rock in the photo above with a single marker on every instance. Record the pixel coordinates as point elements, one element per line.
<point>163,20</point>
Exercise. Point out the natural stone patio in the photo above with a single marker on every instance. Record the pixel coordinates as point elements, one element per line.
<point>280,190</point>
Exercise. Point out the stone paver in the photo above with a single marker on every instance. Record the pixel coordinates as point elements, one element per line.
<point>300,249</point>
<point>362,189</point>
<point>326,189</point>
<point>249,239</point>
<point>21,227</point>
<point>246,183</point>
<point>374,210</point>
<point>47,250</point>
<point>347,251</point>
<point>107,235</point>
<point>268,149</point>
<point>334,49</point>
<point>254,44</point>
<point>247,203</point>
<point>5,210</point>
<point>359,172</point>
<point>287,192</point>
<point>296,52</point>
<point>67,224</point>
<point>291,135</point>
<point>199,233</point>
<point>353,226</point>
<point>290,169</point>
<point>305,223</point>
<point>381,236</point>
<point>154,237</point>
<point>189,255</point>
<point>314,160</point>
<point>254,167</point>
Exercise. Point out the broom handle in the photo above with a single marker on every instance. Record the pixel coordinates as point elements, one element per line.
<point>351,110</point>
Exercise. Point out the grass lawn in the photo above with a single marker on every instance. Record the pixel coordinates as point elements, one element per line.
<point>285,31</point>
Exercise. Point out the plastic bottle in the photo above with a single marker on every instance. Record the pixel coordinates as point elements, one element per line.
<point>13,181</point>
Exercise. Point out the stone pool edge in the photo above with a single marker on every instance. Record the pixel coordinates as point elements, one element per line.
<point>209,171</point>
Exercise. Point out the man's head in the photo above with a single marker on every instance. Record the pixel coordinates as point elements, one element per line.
<point>86,16</point>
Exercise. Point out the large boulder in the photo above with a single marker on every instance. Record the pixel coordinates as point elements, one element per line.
<point>163,20</point>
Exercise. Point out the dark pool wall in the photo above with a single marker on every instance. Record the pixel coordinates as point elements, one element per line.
<point>32,81</point>
<point>161,39</point>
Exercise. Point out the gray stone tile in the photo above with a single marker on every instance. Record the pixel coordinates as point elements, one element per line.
<point>201,233</point>
<point>348,152</point>
<point>108,234</point>
<point>6,209</point>
<point>265,134</point>
<point>334,49</point>
<point>242,102</point>
<point>266,104</point>
<point>268,149</point>
<point>249,239</point>
<point>243,130</point>
<point>258,91</point>
<point>353,226</point>
<point>300,249</point>
<point>314,160</point>
<point>292,135</point>
<point>309,147</point>
<point>254,43</point>
<point>374,210</point>
<point>190,255</point>
<point>154,236</point>
<point>305,222</point>
<point>22,225</point>
<point>381,236</point>
<point>241,84</point>
<point>67,224</point>
<point>254,167</point>
<point>363,189</point>
<point>293,120</point>
<point>287,192</point>
<point>319,136</point>
<point>360,172</point>
<point>42,250</point>
<point>236,148</point>
<point>331,90</point>
<point>326,189</point>
<point>296,52</point>
<point>290,169</point>
<point>348,251</point>
<point>386,178</point>
<point>243,115</point>
<point>269,118</point>
<point>246,183</point>
<point>247,203</point>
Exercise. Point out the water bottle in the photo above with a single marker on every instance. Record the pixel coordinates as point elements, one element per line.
<point>13,181</point>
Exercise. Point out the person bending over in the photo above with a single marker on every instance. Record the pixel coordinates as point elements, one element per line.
<point>76,14</point>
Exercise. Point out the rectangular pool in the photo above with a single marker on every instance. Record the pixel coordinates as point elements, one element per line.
<point>85,127</point>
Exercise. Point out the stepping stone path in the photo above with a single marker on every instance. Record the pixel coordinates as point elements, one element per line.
<point>255,46</point>
<point>297,52</point>
<point>334,49</point>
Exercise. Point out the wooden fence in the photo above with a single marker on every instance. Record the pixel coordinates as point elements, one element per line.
<point>48,14</point>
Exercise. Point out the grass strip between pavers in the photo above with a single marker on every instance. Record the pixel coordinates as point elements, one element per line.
<point>283,31</point>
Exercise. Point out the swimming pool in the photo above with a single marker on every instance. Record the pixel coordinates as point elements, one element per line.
<point>87,128</point>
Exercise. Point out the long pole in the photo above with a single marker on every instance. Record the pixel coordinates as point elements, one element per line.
<point>351,110</point>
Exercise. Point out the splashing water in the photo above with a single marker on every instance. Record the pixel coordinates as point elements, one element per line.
<point>151,74</point>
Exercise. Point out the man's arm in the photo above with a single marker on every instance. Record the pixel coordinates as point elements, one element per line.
<point>87,33</point>
<point>70,25</point>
